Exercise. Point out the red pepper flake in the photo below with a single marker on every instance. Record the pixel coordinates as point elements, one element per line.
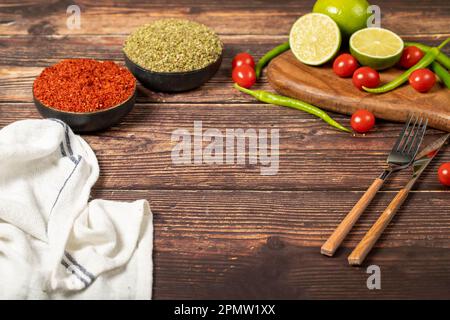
<point>84,85</point>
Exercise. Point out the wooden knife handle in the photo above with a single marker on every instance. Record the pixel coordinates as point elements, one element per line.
<point>366,244</point>
<point>339,234</point>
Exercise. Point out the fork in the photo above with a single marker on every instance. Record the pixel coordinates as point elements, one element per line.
<point>401,156</point>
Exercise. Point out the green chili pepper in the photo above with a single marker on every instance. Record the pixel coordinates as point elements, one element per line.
<point>443,74</point>
<point>269,56</point>
<point>278,100</point>
<point>442,58</point>
<point>429,57</point>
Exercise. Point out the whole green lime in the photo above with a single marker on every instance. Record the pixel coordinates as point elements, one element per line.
<point>350,15</point>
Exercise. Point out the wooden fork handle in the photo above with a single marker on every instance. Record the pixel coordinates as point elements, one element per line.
<point>366,244</point>
<point>339,234</point>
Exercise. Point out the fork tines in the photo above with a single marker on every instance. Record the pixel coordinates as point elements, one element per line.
<point>411,136</point>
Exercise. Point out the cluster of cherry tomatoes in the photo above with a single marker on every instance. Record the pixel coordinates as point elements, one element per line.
<point>422,80</point>
<point>243,74</point>
<point>345,65</point>
<point>243,66</point>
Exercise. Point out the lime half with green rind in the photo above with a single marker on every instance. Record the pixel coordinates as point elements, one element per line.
<point>376,48</point>
<point>315,39</point>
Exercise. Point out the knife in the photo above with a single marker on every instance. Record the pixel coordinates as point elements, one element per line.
<point>422,160</point>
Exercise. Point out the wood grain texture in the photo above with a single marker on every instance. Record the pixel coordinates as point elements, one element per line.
<point>321,87</point>
<point>309,150</point>
<point>233,16</point>
<point>227,231</point>
<point>264,244</point>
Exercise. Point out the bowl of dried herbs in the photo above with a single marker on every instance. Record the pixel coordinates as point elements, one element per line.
<point>173,55</point>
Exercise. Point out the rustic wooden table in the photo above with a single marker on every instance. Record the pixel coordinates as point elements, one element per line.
<point>225,231</point>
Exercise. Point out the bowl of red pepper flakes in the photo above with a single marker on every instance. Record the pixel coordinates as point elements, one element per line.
<point>87,94</point>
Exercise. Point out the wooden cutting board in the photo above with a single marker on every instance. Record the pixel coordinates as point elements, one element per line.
<point>321,87</point>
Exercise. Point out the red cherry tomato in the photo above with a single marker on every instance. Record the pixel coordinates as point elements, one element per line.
<point>366,77</point>
<point>422,80</point>
<point>444,174</point>
<point>241,59</point>
<point>244,76</point>
<point>362,121</point>
<point>345,65</point>
<point>410,56</point>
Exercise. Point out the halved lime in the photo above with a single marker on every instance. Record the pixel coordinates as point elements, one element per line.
<point>315,39</point>
<point>376,47</point>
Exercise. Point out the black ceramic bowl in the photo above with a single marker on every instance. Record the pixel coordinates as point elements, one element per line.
<point>173,81</point>
<point>88,121</point>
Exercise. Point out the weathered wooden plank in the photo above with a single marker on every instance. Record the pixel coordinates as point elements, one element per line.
<point>313,156</point>
<point>49,17</point>
<point>246,244</point>
<point>291,273</point>
<point>26,51</point>
<point>22,59</point>
<point>302,218</point>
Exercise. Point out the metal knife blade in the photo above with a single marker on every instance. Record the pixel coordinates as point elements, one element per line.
<point>424,158</point>
<point>435,145</point>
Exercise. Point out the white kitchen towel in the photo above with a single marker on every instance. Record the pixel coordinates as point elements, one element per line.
<point>54,243</point>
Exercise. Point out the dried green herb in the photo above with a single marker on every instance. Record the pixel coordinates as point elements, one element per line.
<point>173,45</point>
